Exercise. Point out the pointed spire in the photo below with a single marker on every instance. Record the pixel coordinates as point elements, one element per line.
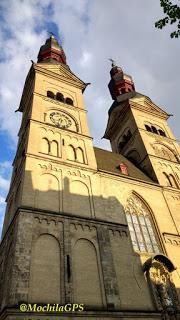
<point>51,51</point>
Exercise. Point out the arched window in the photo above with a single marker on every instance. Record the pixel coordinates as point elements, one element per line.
<point>59,97</point>
<point>153,129</point>
<point>168,183</point>
<point>69,101</point>
<point>50,94</point>
<point>161,132</point>
<point>71,153</point>
<point>148,128</point>
<point>170,180</point>
<point>80,155</point>
<point>173,181</point>
<point>140,226</point>
<point>54,148</point>
<point>45,146</point>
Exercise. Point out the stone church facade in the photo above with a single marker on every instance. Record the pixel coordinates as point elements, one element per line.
<point>85,225</point>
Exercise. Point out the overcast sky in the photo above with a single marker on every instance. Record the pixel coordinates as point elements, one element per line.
<point>91,31</point>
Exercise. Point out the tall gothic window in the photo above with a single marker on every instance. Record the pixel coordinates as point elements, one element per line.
<point>140,226</point>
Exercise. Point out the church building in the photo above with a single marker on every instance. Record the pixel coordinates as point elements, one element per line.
<point>85,225</point>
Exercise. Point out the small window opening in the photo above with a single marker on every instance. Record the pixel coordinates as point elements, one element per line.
<point>162,133</point>
<point>123,90</point>
<point>69,101</point>
<point>60,97</point>
<point>50,94</point>
<point>148,128</point>
<point>154,129</point>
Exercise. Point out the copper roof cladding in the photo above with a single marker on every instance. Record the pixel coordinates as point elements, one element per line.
<point>108,161</point>
<point>51,50</point>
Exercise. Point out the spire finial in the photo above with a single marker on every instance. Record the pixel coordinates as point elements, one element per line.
<point>51,50</point>
<point>113,62</point>
<point>51,34</point>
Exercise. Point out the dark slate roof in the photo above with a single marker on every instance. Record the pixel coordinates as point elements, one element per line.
<point>109,161</point>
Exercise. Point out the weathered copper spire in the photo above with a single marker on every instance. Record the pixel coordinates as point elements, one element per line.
<point>51,51</point>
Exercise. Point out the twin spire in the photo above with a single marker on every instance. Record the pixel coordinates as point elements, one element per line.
<point>119,85</point>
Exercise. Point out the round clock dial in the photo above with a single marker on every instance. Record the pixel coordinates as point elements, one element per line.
<point>60,120</point>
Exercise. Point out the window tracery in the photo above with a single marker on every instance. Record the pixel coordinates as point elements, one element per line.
<point>140,226</point>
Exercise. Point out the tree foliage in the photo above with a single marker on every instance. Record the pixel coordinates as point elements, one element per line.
<point>172,15</point>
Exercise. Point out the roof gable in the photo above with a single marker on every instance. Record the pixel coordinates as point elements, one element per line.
<point>62,71</point>
<point>144,103</point>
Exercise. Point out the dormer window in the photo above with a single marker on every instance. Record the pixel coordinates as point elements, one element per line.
<point>124,168</point>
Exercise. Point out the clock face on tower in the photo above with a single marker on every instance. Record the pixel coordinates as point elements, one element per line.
<point>60,120</point>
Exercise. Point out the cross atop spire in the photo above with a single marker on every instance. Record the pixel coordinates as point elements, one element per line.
<point>113,62</point>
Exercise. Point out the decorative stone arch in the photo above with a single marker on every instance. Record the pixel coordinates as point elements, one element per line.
<point>87,269</point>
<point>140,218</point>
<point>158,270</point>
<point>80,155</point>
<point>45,269</point>
<point>48,194</point>
<point>168,148</point>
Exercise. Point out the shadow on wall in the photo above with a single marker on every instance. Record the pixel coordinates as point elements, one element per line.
<point>70,246</point>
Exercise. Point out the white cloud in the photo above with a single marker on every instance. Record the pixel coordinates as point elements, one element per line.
<point>4,183</point>
<point>2,200</point>
<point>86,59</point>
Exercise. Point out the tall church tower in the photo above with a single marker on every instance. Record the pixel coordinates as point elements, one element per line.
<point>49,178</point>
<point>53,132</point>
<point>138,129</point>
